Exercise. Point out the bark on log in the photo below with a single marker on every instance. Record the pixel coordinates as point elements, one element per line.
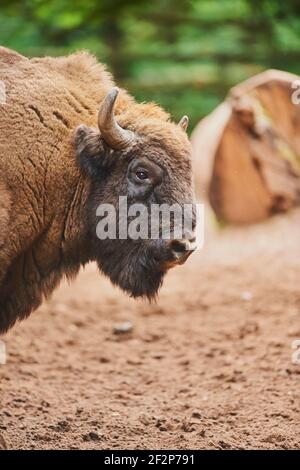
<point>247,152</point>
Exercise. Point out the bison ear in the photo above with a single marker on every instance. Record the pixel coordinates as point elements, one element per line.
<point>183,123</point>
<point>92,154</point>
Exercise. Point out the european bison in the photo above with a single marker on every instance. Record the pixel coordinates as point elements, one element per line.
<point>69,142</point>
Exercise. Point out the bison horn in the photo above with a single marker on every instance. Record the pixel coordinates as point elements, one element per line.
<point>113,134</point>
<point>183,123</point>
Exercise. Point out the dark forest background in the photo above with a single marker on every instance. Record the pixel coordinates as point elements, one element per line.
<point>183,54</point>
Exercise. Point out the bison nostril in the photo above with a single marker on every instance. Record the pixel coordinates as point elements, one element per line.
<point>181,250</point>
<point>179,246</point>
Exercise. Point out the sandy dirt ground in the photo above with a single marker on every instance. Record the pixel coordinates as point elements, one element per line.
<point>209,366</point>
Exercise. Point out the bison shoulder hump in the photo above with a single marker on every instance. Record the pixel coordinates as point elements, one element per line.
<point>9,56</point>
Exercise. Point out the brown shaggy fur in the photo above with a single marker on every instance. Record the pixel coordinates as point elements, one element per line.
<point>43,193</point>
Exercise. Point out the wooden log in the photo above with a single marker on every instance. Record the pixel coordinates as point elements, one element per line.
<point>247,152</point>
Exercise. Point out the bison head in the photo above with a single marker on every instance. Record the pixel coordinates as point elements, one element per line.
<point>145,160</point>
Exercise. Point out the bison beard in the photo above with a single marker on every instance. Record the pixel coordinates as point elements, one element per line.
<point>134,266</point>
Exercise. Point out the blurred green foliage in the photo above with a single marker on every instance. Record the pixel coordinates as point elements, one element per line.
<point>183,54</point>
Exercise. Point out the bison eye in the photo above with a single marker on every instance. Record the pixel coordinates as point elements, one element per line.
<point>142,175</point>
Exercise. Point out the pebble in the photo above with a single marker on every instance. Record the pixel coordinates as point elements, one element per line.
<point>122,328</point>
<point>246,296</point>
